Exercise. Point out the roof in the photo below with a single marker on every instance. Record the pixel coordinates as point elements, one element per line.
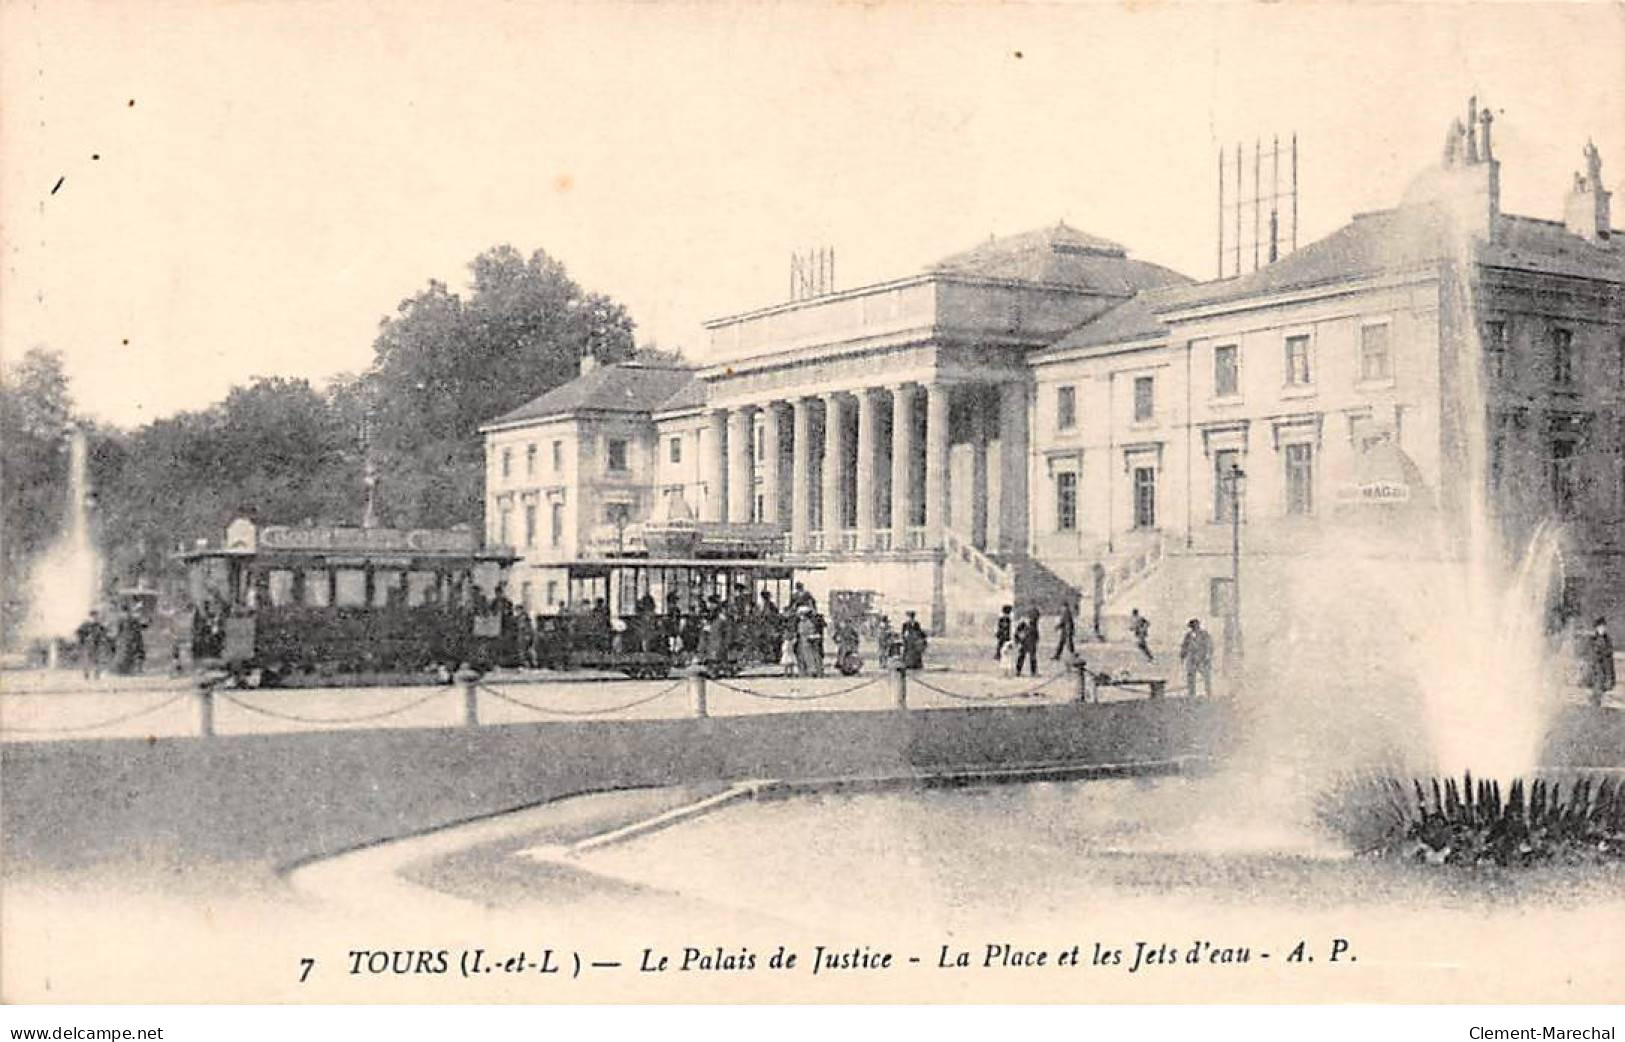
<point>1393,240</point>
<point>627,387</point>
<point>689,396</point>
<point>1060,255</point>
<point>1133,319</point>
<point>1532,244</point>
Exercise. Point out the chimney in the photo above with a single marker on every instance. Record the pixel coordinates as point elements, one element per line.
<point>1586,212</point>
<point>1466,186</point>
<point>589,361</point>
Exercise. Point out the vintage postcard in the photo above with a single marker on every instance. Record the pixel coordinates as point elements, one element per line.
<point>812,502</point>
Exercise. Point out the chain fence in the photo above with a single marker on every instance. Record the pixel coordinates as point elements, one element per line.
<point>962,697</point>
<point>357,718</point>
<point>100,724</point>
<point>817,697</point>
<point>602,711</point>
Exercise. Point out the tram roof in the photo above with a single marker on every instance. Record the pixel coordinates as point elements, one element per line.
<point>732,563</point>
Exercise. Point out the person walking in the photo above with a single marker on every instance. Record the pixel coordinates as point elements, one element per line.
<point>1140,626</point>
<point>1027,642</point>
<point>1600,665</point>
<point>1197,652</point>
<point>914,642</point>
<point>1003,632</point>
<point>1065,631</point>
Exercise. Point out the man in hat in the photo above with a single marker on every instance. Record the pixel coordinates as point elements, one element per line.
<point>1600,661</point>
<point>92,645</point>
<point>1197,652</point>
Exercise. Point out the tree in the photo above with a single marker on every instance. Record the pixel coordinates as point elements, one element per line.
<point>444,365</point>
<point>35,409</point>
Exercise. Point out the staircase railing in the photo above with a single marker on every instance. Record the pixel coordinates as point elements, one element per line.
<point>959,547</point>
<point>1132,568</point>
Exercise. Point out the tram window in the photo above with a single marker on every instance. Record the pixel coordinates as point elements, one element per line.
<point>388,587</point>
<point>280,588</point>
<point>317,594</point>
<point>420,587</point>
<point>349,588</point>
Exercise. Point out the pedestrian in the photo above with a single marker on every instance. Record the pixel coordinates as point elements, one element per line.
<point>807,658</point>
<point>885,637</point>
<point>1600,665</point>
<point>1065,630</point>
<point>847,659</point>
<point>1140,626</point>
<point>92,636</point>
<point>787,652</point>
<point>1003,631</point>
<point>914,642</point>
<point>1027,642</point>
<point>800,597</point>
<point>1197,652</point>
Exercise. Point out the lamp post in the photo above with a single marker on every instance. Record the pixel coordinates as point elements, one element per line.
<point>1234,480</point>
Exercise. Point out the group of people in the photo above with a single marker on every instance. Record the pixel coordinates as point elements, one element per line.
<point>1015,640</point>
<point>124,646</point>
<point>719,633</point>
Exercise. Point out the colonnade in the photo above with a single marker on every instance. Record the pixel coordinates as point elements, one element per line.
<point>897,449</point>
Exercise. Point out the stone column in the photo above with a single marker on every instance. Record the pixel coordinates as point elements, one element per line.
<point>771,454</point>
<point>902,464</point>
<point>715,468</point>
<point>936,462</point>
<point>982,425</point>
<point>834,452</point>
<point>800,471</point>
<point>741,465</point>
<point>868,427</point>
<point>1013,468</point>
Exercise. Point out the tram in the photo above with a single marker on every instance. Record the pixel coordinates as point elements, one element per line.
<point>641,615</point>
<point>275,603</point>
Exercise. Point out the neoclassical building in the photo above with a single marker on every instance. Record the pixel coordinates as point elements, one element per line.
<point>1045,417</point>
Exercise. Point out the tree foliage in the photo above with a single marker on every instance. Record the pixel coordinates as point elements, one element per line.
<point>444,365</point>
<point>280,451</point>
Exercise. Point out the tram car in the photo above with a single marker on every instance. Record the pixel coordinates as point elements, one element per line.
<point>644,615</point>
<point>275,603</point>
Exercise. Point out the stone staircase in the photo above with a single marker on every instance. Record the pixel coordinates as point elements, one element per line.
<point>977,585</point>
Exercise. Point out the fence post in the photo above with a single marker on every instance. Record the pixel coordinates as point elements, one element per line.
<point>469,678</point>
<point>899,688</point>
<point>205,704</point>
<point>696,690</point>
<point>1083,679</point>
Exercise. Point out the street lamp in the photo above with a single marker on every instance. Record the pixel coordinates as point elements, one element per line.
<point>1233,481</point>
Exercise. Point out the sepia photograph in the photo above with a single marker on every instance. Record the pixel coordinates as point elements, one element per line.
<point>812,502</point>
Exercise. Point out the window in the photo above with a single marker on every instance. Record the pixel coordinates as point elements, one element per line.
<point>552,592</point>
<point>558,456</point>
<point>555,534</point>
<point>349,588</point>
<point>1226,371</point>
<point>759,509</point>
<point>530,525</point>
<point>616,448</point>
<point>1562,358</point>
<point>1300,479</point>
<point>1145,497</point>
<point>1066,407</point>
<point>317,592</point>
<point>530,460</point>
<point>1564,487</point>
<point>507,462</point>
<point>1496,347</point>
<point>758,444</point>
<point>1376,361</point>
<point>1297,361</point>
<point>676,450</point>
<point>1498,450</point>
<point>502,526</point>
<point>388,588</point>
<point>1224,462</point>
<point>1066,501</point>
<point>524,596</point>
<point>1145,398</point>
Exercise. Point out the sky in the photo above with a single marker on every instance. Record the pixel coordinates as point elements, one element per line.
<point>195,192</point>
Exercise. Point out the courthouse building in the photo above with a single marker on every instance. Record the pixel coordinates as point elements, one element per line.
<point>1044,417</point>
